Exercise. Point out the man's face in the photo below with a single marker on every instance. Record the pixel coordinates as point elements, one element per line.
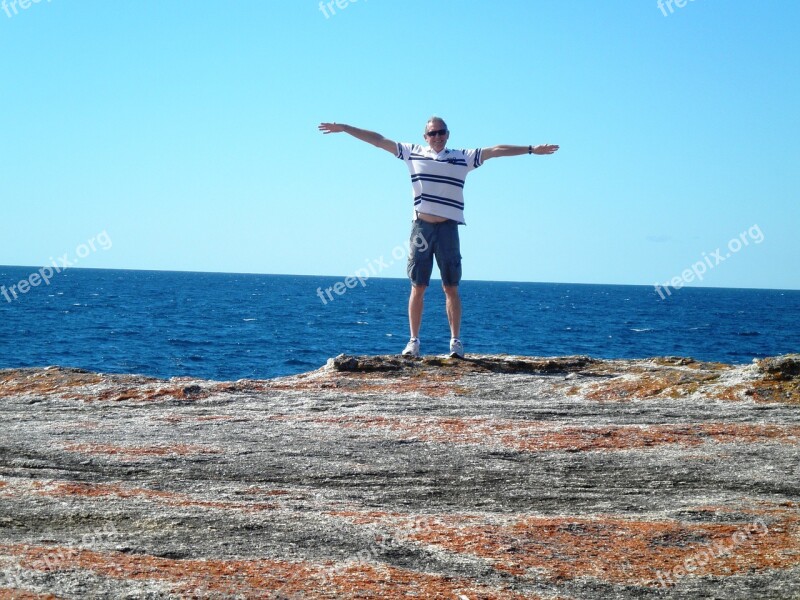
<point>436,142</point>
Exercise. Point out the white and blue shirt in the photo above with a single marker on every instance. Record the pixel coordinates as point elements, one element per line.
<point>438,179</point>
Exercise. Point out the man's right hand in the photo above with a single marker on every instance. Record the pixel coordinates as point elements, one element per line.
<point>331,127</point>
<point>376,139</point>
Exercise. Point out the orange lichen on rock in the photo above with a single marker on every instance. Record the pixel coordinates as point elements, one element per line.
<point>115,395</point>
<point>430,385</point>
<point>381,581</point>
<point>142,393</point>
<point>21,382</point>
<point>538,436</point>
<point>611,549</point>
<point>95,490</point>
<point>16,594</point>
<point>730,393</point>
<point>778,382</point>
<point>774,391</point>
<point>672,384</point>
<point>260,578</point>
<point>75,384</point>
<point>130,451</point>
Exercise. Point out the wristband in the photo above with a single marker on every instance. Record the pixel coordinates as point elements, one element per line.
<point>530,149</point>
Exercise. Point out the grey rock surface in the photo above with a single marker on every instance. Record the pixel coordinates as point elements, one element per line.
<point>393,477</point>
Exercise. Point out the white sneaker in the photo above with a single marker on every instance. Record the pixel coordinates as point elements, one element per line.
<point>456,348</point>
<point>412,347</point>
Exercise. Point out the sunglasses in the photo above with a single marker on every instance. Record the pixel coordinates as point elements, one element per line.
<point>441,132</point>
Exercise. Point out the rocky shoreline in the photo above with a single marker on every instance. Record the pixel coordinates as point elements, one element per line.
<point>390,477</point>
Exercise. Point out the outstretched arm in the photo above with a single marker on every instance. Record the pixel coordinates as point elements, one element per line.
<point>496,151</point>
<point>376,139</point>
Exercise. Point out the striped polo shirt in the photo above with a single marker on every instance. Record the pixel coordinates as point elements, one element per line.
<point>438,179</point>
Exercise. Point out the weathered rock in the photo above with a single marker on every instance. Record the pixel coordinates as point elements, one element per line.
<point>783,367</point>
<point>386,476</point>
<point>476,364</point>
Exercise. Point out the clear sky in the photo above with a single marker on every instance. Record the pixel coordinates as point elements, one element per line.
<point>185,133</point>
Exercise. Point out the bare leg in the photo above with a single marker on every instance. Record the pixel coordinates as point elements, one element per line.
<point>415,303</point>
<point>453,306</point>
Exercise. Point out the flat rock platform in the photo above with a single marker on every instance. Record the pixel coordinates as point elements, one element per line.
<point>491,477</point>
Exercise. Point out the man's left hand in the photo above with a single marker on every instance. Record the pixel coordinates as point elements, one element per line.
<point>545,149</point>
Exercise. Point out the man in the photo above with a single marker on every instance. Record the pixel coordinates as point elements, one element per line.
<point>437,177</point>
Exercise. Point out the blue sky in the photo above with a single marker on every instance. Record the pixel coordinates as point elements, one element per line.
<point>187,134</point>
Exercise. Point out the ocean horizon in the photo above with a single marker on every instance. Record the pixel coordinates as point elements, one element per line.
<point>434,280</point>
<point>237,325</point>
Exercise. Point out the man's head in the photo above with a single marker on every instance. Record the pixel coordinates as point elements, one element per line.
<point>436,133</point>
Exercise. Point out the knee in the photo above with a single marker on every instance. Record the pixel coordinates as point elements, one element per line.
<point>450,290</point>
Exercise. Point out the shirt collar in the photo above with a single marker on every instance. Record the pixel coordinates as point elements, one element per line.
<point>443,154</point>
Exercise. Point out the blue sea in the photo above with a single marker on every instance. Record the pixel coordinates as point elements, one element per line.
<point>228,326</point>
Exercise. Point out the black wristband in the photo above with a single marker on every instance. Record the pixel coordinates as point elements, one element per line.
<point>530,149</point>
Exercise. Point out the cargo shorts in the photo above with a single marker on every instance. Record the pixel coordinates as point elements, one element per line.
<point>434,240</point>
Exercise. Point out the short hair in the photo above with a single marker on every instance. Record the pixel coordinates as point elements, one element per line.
<point>434,119</point>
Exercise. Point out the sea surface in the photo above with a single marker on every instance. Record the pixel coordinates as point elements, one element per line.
<point>228,326</point>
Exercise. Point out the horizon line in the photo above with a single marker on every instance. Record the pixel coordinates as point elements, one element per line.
<point>776,289</point>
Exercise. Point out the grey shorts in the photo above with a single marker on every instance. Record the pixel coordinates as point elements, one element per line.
<point>439,240</point>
